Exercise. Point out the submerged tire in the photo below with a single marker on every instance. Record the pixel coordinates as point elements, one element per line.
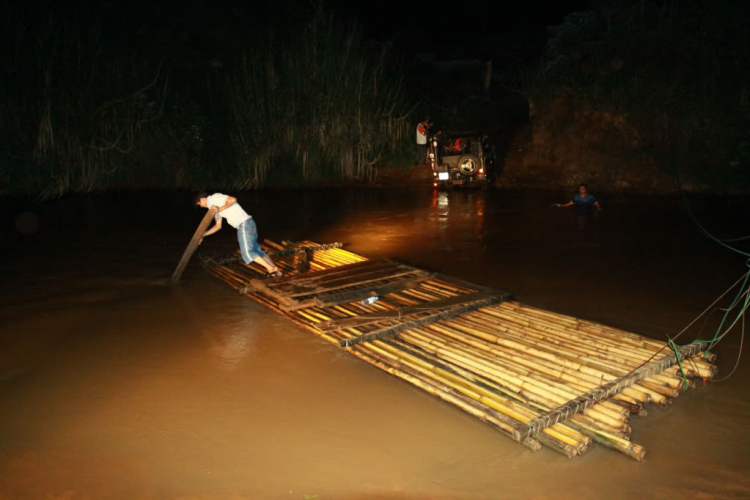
<point>468,164</point>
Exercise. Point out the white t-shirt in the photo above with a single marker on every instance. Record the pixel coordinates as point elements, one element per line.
<point>234,214</point>
<point>421,134</point>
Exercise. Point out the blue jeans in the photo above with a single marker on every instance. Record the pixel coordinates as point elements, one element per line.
<point>247,235</point>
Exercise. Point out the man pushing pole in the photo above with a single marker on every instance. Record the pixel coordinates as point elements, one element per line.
<point>221,206</point>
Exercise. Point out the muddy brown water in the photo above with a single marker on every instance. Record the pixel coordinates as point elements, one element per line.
<point>116,386</point>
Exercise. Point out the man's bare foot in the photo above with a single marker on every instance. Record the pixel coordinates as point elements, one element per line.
<point>275,272</point>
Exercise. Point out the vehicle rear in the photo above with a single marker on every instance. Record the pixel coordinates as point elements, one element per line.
<point>458,161</point>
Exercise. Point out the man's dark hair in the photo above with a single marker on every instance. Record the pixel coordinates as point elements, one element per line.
<point>197,197</point>
<point>583,184</point>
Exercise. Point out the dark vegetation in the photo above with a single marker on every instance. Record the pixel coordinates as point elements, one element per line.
<point>630,94</point>
<point>91,101</point>
<point>640,94</point>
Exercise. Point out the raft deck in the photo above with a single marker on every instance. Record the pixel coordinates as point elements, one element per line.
<point>541,378</point>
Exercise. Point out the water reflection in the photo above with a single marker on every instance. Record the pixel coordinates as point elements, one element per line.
<point>232,344</point>
<point>439,214</point>
<point>465,206</point>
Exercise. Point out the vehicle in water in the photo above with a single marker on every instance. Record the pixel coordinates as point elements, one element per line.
<point>461,159</point>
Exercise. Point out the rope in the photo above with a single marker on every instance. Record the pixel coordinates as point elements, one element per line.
<point>703,230</point>
<point>744,290</point>
<point>739,354</point>
<point>679,362</point>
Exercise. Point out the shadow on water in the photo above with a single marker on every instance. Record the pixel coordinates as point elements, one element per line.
<point>115,387</point>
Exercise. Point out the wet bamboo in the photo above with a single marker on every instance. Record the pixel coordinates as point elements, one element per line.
<point>462,401</point>
<point>487,342</point>
<point>403,354</point>
<point>576,360</point>
<point>601,434</point>
<point>604,435</point>
<point>576,385</point>
<point>625,346</point>
<point>519,384</point>
<point>594,328</point>
<point>701,367</point>
<point>228,278</point>
<point>581,419</point>
<point>634,408</point>
<point>611,408</point>
<point>234,279</point>
<point>558,439</point>
<point>565,359</point>
<point>602,361</point>
<point>562,439</point>
<point>193,244</point>
<point>612,441</point>
<point>606,353</point>
<point>353,257</point>
<point>583,402</point>
<point>484,333</point>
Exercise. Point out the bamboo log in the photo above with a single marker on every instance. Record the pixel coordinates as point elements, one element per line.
<point>578,387</point>
<point>519,384</point>
<point>392,330</point>
<point>583,402</point>
<point>193,244</point>
<point>400,370</point>
<point>562,439</point>
<point>612,439</point>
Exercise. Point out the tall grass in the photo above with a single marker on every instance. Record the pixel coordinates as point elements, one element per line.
<point>81,111</point>
<point>315,104</point>
<point>72,117</point>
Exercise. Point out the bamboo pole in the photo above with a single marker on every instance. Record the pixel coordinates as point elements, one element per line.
<point>562,439</point>
<point>193,244</point>
<point>602,434</point>
<point>583,402</point>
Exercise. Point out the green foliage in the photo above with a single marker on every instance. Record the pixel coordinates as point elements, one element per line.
<point>315,104</point>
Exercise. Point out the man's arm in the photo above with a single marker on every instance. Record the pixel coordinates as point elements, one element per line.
<point>563,205</point>
<point>231,200</point>
<point>214,228</point>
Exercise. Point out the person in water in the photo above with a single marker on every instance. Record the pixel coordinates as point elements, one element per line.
<point>247,232</point>
<point>582,199</point>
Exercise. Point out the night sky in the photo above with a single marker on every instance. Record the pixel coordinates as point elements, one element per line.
<point>216,25</point>
<point>460,20</point>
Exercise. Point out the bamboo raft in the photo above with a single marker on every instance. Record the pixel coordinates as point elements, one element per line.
<point>541,378</point>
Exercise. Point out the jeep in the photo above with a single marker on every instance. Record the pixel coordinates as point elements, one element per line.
<point>460,159</point>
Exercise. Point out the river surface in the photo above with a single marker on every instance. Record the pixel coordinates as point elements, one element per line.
<point>116,386</point>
